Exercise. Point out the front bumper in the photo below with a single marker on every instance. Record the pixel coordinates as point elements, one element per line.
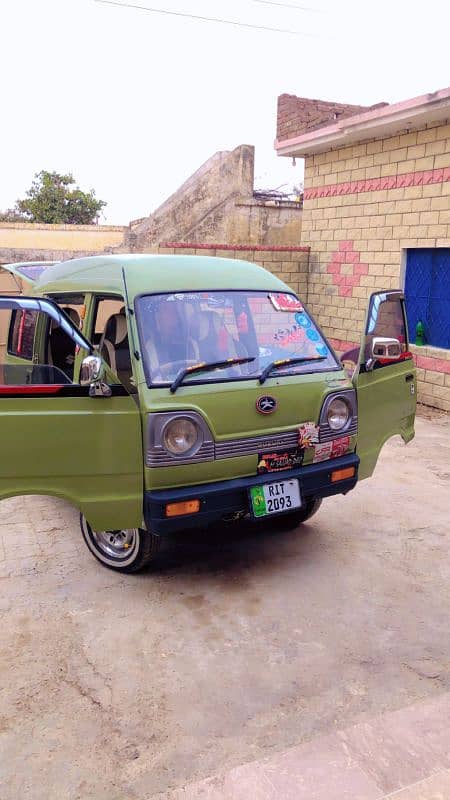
<point>224,498</point>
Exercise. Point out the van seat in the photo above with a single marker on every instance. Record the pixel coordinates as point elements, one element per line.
<point>115,350</point>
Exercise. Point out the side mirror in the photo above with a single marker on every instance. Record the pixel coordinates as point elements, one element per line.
<point>384,348</point>
<point>92,374</point>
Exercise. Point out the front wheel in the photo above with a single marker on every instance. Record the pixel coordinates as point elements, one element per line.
<point>126,550</point>
<point>288,522</point>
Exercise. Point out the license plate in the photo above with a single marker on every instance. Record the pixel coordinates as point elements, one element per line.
<point>274,498</point>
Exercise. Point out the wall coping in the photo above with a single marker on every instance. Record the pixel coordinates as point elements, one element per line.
<point>380,123</point>
<point>32,226</point>
<point>283,248</point>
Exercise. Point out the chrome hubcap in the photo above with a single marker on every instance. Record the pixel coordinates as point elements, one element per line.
<point>116,544</point>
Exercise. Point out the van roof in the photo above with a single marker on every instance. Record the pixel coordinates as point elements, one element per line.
<point>147,273</point>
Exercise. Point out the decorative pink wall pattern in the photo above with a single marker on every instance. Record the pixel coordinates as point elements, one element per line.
<point>347,256</point>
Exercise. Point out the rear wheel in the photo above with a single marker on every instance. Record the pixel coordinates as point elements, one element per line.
<point>126,550</point>
<point>287,522</point>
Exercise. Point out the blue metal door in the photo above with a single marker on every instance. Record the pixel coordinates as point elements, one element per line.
<point>427,293</point>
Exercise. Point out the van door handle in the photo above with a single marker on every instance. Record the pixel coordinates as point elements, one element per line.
<point>409,377</point>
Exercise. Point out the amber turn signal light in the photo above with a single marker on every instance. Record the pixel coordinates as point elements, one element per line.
<point>342,474</point>
<point>178,509</point>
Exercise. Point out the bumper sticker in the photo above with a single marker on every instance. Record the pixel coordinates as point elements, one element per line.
<point>333,449</point>
<point>308,434</point>
<point>276,462</point>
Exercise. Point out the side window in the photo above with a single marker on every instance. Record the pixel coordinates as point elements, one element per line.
<point>60,347</point>
<point>27,360</point>
<point>21,334</point>
<point>106,307</point>
<point>110,336</point>
<point>386,319</point>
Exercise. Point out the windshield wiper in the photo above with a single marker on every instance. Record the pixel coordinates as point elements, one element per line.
<point>283,362</point>
<point>206,367</point>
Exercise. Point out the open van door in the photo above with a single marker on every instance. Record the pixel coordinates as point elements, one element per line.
<point>384,379</point>
<point>57,438</point>
<point>29,271</point>
<point>21,329</point>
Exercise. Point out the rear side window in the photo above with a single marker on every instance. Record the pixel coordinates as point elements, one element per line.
<point>21,333</point>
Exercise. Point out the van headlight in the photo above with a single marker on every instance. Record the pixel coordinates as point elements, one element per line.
<point>180,435</point>
<point>338,414</point>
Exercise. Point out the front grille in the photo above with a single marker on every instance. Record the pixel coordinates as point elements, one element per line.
<point>326,433</point>
<point>255,444</point>
<point>159,457</point>
<point>245,446</point>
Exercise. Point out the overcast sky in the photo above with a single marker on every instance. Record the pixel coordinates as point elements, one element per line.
<point>133,102</point>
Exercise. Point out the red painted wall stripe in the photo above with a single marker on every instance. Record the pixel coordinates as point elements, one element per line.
<point>431,363</point>
<point>420,178</point>
<point>282,248</point>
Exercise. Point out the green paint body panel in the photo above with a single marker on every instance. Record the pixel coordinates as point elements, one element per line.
<point>230,412</point>
<point>86,450</point>
<point>90,451</point>
<point>154,273</point>
<point>386,408</point>
<point>386,402</point>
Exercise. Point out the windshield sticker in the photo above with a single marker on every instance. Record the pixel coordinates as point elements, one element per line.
<point>217,301</point>
<point>333,449</point>
<point>285,302</point>
<point>312,335</point>
<point>302,320</point>
<point>286,336</point>
<point>183,296</point>
<point>308,434</point>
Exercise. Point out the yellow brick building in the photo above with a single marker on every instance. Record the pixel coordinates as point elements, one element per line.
<point>377,215</point>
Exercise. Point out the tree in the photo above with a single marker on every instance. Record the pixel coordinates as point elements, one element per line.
<point>11,215</point>
<point>51,199</point>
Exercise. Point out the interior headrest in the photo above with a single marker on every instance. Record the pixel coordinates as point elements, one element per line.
<point>116,330</point>
<point>74,315</point>
<point>209,324</point>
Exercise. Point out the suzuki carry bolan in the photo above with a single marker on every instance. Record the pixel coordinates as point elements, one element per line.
<point>159,393</point>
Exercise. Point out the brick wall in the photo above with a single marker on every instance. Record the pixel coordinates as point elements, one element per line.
<point>297,115</point>
<point>290,264</point>
<point>363,207</point>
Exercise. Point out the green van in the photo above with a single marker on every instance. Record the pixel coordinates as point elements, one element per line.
<point>163,393</point>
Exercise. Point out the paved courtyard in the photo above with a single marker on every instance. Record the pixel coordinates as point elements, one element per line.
<point>284,665</point>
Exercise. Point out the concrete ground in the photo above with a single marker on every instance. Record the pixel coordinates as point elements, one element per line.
<point>244,653</point>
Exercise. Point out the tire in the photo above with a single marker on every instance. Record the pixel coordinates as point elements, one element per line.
<point>288,522</point>
<point>127,550</point>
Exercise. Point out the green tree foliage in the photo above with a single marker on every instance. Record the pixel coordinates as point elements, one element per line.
<point>54,199</point>
<point>11,215</point>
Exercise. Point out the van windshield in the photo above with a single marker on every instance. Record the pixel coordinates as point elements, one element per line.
<point>190,328</point>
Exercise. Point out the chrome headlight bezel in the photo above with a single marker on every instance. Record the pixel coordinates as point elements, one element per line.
<point>338,414</point>
<point>327,432</point>
<point>192,448</point>
<point>159,455</point>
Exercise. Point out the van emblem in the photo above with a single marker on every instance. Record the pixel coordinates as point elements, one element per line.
<point>266,404</point>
